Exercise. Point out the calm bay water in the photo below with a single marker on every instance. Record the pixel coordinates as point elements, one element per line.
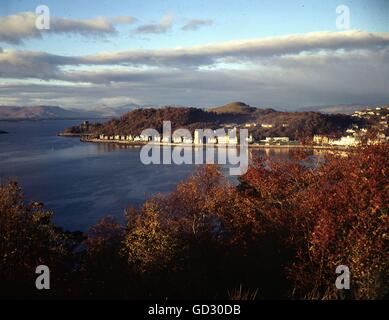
<point>80,182</point>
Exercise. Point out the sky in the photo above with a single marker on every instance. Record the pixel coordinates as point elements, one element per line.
<point>280,54</point>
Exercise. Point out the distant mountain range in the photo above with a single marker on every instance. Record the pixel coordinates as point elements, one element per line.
<point>237,108</point>
<point>41,112</point>
<point>110,112</point>
<point>55,112</point>
<point>243,108</point>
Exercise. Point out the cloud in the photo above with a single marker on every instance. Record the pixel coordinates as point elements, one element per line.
<point>14,29</point>
<point>107,76</point>
<point>163,26</point>
<point>279,82</point>
<point>123,20</point>
<point>243,50</point>
<point>296,70</point>
<point>96,26</point>
<point>195,24</point>
<point>17,64</point>
<point>26,64</point>
<point>237,52</point>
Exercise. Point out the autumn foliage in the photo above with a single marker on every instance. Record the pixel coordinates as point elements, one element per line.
<point>27,239</point>
<point>332,215</point>
<point>280,233</point>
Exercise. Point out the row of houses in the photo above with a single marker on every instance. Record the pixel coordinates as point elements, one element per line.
<point>372,112</point>
<point>199,138</point>
<point>348,141</point>
<point>215,138</point>
<point>352,139</point>
<point>133,138</point>
<point>343,141</point>
<point>276,140</point>
<point>263,125</point>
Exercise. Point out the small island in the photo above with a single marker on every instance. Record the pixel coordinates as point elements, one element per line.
<point>3,132</point>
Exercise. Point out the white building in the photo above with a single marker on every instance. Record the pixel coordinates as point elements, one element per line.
<point>250,139</point>
<point>233,140</point>
<point>187,140</point>
<point>197,139</point>
<point>104,137</point>
<point>203,138</point>
<point>145,138</point>
<point>320,139</point>
<point>276,140</point>
<point>177,139</point>
<point>166,139</point>
<point>345,141</point>
<point>223,139</point>
<point>229,138</point>
<point>212,140</point>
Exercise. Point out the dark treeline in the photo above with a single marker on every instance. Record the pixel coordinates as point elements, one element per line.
<point>280,233</point>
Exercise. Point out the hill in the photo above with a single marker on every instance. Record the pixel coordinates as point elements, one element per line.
<point>44,112</point>
<point>110,112</point>
<point>139,119</point>
<point>234,107</point>
<point>261,122</point>
<point>299,125</point>
<point>55,112</point>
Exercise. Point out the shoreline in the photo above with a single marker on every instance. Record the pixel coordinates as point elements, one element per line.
<point>70,135</point>
<point>250,146</point>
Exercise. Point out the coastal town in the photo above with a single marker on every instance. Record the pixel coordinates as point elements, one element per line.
<point>354,136</point>
<point>359,135</point>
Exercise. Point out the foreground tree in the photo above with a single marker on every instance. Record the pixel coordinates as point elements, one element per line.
<point>282,232</point>
<point>28,239</point>
<point>336,214</point>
